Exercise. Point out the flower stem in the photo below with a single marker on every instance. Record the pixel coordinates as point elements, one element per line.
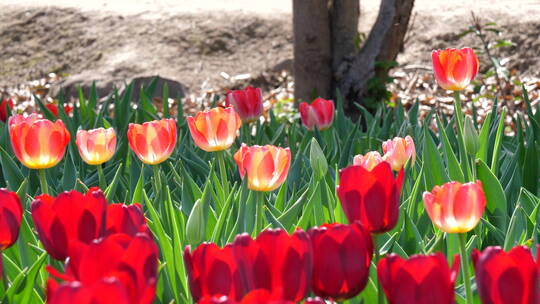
<point>380,292</point>
<point>157,181</point>
<point>102,180</point>
<point>465,267</point>
<point>259,223</point>
<point>223,172</point>
<point>43,181</point>
<point>459,121</point>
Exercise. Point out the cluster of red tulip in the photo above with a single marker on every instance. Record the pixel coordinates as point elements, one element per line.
<point>331,261</point>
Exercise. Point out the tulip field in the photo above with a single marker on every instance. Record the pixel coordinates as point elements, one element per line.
<point>118,201</point>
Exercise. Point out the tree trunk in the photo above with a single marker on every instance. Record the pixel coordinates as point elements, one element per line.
<point>384,43</point>
<point>312,49</point>
<point>325,56</point>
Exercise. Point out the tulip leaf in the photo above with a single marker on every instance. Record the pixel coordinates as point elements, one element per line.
<point>29,279</point>
<point>70,173</point>
<point>433,164</point>
<point>516,229</point>
<point>454,169</point>
<point>11,171</point>
<point>495,198</point>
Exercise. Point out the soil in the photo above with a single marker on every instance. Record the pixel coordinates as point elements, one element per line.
<point>208,44</point>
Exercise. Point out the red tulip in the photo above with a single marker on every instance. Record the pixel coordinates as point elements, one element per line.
<point>398,151</point>
<point>68,218</point>
<point>126,219</point>
<point>456,207</point>
<point>10,218</point>
<point>320,114</point>
<point>368,161</point>
<point>96,146</point>
<point>131,261</point>
<point>213,271</point>
<point>258,296</point>
<point>3,108</point>
<point>266,166</point>
<point>371,197</point>
<point>217,299</point>
<point>506,277</point>
<point>248,103</point>
<point>38,143</point>
<point>54,108</point>
<point>318,300</point>
<point>277,262</point>
<point>105,291</point>
<point>154,141</point>
<point>454,69</point>
<point>421,279</point>
<point>214,129</point>
<point>341,259</point>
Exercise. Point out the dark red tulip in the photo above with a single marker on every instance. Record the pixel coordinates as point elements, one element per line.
<point>506,277</point>
<point>341,258</point>
<point>217,299</point>
<point>421,279</point>
<point>317,300</point>
<point>6,103</point>
<point>277,262</point>
<point>213,271</point>
<point>248,103</point>
<point>10,218</point>
<point>132,261</point>
<point>371,197</point>
<point>263,296</point>
<point>105,291</point>
<point>126,219</point>
<point>68,218</point>
<point>54,108</point>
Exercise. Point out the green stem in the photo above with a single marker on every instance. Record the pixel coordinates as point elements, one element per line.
<point>459,121</point>
<point>465,267</point>
<point>157,181</point>
<point>223,172</point>
<point>380,292</point>
<point>259,222</point>
<point>43,181</point>
<point>101,176</point>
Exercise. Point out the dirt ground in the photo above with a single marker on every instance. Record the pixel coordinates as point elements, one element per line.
<point>204,44</point>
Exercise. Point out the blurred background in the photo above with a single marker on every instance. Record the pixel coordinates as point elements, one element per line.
<point>202,48</point>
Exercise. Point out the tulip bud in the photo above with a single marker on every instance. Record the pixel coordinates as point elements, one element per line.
<point>196,226</point>
<point>317,160</point>
<point>472,142</point>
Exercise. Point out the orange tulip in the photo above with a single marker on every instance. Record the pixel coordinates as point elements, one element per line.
<point>456,207</point>
<point>454,69</point>
<point>153,141</point>
<point>266,166</point>
<point>38,143</point>
<point>368,161</point>
<point>96,146</point>
<point>398,151</point>
<point>214,129</point>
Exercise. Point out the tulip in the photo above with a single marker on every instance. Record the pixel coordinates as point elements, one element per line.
<point>54,108</point>
<point>258,296</point>
<point>10,218</point>
<point>213,271</point>
<point>214,129</point>
<point>454,69</point>
<point>320,114</point>
<point>266,166</point>
<point>38,143</point>
<point>217,299</point>
<point>154,141</point>
<point>398,151</point>
<point>456,207</point>
<point>421,279</point>
<point>126,219</point>
<point>506,277</point>
<point>105,291</point>
<point>4,105</point>
<point>277,262</point>
<point>131,261</point>
<point>368,161</point>
<point>70,217</point>
<point>248,103</point>
<point>371,197</point>
<point>96,146</point>
<point>341,259</point>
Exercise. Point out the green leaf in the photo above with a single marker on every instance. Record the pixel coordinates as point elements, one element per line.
<point>495,198</point>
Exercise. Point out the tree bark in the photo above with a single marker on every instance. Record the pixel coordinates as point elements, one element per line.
<point>344,16</point>
<point>384,43</point>
<point>312,49</point>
